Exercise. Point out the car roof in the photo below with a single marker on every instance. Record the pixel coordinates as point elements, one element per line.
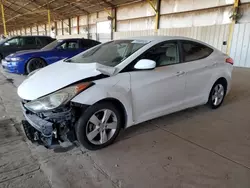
<point>160,38</point>
<point>31,36</point>
<point>164,38</point>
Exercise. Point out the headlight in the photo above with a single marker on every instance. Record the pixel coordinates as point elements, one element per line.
<point>15,59</point>
<point>56,99</point>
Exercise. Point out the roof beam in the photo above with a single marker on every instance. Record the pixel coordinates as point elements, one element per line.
<point>78,8</point>
<point>108,3</point>
<point>46,4</point>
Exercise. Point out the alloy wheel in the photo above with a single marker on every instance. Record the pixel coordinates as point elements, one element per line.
<point>218,94</point>
<point>101,126</point>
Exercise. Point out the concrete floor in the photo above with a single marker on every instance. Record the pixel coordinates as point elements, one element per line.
<point>197,147</point>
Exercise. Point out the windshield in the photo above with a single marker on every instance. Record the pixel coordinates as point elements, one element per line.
<point>109,54</point>
<point>51,45</point>
<point>3,41</point>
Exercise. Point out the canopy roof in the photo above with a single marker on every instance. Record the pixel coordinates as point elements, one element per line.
<point>25,13</point>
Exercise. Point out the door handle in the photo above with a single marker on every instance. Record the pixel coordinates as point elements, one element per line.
<point>180,73</point>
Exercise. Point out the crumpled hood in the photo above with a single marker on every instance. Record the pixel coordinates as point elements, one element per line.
<point>55,77</point>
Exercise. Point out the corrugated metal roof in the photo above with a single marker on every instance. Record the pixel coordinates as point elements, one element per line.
<point>24,13</point>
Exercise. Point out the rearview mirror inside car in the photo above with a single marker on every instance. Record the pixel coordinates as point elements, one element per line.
<point>145,64</point>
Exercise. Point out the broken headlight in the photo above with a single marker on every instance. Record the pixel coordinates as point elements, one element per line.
<point>56,99</point>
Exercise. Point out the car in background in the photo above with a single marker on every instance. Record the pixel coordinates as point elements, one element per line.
<point>93,95</point>
<point>24,62</point>
<point>17,43</point>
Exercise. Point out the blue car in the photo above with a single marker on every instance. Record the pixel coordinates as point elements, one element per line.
<point>24,62</point>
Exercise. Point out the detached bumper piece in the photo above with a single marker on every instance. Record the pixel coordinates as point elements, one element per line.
<point>49,129</point>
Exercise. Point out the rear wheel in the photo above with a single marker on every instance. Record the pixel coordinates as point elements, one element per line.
<point>33,64</point>
<point>99,126</point>
<point>217,95</point>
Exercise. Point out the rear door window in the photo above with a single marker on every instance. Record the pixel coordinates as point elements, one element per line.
<point>38,42</point>
<point>192,51</point>
<point>28,41</point>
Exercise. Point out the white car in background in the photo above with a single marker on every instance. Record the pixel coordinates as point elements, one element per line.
<point>121,83</point>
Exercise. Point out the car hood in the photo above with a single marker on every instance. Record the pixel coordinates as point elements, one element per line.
<point>25,52</point>
<point>55,77</point>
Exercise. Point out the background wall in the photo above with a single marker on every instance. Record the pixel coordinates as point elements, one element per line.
<point>206,20</point>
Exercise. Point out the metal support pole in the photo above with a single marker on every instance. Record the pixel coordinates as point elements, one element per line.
<point>78,24</point>
<point>114,23</point>
<point>45,29</point>
<point>62,28</point>
<point>231,28</point>
<point>56,32</point>
<point>88,26</point>
<point>70,26</point>
<point>157,12</point>
<point>49,22</point>
<point>4,23</point>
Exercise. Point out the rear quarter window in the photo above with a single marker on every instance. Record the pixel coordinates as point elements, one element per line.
<point>194,51</point>
<point>87,43</point>
<point>45,40</point>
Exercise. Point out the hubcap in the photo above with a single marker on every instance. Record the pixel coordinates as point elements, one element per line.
<point>218,94</point>
<point>101,126</point>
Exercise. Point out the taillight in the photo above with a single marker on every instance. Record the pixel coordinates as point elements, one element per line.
<point>230,60</point>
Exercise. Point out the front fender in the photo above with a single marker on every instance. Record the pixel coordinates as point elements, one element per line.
<point>116,87</point>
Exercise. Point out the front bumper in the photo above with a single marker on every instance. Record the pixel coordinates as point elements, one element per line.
<point>12,67</point>
<point>48,129</point>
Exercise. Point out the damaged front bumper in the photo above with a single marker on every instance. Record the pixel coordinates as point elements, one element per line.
<point>49,128</point>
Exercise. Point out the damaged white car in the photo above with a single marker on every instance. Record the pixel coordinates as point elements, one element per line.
<point>89,98</point>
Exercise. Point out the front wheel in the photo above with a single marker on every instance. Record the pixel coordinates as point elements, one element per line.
<point>99,126</point>
<point>217,95</point>
<point>33,64</point>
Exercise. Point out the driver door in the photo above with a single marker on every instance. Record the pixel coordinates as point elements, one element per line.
<point>160,91</point>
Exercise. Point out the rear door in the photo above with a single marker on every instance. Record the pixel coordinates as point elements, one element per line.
<point>28,43</point>
<point>199,67</point>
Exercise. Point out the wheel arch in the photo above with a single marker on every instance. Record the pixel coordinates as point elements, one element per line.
<point>26,63</point>
<point>121,108</point>
<point>223,80</point>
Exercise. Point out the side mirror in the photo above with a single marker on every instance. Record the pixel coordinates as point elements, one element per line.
<point>145,64</point>
<point>6,44</point>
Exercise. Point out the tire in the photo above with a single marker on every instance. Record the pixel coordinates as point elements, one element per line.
<point>217,95</point>
<point>35,63</point>
<point>87,126</point>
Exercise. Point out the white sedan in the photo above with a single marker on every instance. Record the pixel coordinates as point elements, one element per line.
<point>89,98</point>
